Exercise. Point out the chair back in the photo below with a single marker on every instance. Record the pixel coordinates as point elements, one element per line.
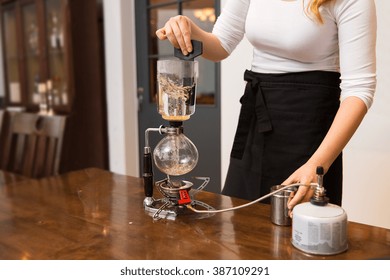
<point>1,120</point>
<point>32,145</point>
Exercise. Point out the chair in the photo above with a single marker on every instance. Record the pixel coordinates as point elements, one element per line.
<point>32,144</point>
<point>3,127</point>
<point>1,119</point>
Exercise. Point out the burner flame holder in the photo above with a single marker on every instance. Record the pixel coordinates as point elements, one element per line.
<point>176,195</point>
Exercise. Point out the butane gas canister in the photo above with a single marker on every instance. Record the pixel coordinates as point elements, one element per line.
<point>319,227</point>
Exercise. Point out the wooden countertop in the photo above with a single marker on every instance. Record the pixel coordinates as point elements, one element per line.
<point>7,178</point>
<point>95,214</point>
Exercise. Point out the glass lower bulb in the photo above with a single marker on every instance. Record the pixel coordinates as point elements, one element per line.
<point>175,155</point>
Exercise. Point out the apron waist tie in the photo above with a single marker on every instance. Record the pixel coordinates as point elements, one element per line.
<point>253,104</point>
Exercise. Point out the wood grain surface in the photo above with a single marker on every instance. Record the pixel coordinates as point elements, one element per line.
<point>94,214</point>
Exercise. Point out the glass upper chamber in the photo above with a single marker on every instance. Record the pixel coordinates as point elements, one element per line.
<point>177,80</point>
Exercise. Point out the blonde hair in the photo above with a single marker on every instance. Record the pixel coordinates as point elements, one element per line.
<point>314,8</point>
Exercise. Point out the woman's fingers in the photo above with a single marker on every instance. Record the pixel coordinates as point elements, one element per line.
<point>178,31</point>
<point>305,176</point>
<point>161,34</point>
<point>303,194</point>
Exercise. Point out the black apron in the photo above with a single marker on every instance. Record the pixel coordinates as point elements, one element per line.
<point>283,120</point>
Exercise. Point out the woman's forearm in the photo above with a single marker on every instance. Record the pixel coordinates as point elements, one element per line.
<point>348,118</point>
<point>346,122</point>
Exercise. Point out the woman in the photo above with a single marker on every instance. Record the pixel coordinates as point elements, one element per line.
<point>312,80</point>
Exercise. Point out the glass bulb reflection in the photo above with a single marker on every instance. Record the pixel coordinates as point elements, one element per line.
<point>175,155</point>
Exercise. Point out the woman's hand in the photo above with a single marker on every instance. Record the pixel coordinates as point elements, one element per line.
<point>305,175</point>
<point>178,31</point>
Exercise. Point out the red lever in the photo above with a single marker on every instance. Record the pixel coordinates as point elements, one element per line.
<point>184,197</point>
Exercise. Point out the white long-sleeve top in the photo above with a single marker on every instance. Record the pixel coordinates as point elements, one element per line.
<point>286,39</point>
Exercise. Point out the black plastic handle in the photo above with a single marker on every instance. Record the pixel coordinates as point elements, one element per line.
<point>197,50</point>
<point>320,170</point>
<point>148,175</point>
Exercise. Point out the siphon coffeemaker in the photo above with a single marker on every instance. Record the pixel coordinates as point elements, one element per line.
<point>175,155</point>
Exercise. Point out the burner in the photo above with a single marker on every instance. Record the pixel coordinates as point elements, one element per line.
<point>175,191</point>
<point>177,195</point>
